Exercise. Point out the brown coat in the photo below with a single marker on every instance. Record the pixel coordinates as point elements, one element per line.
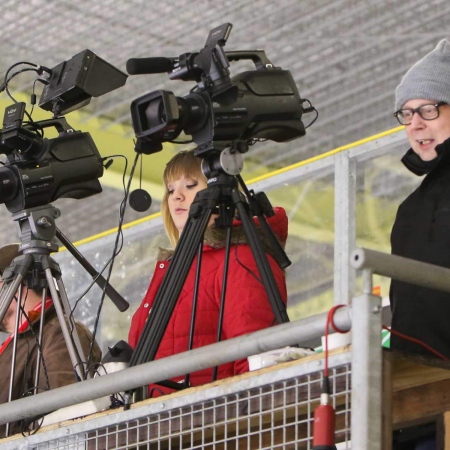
<point>54,355</point>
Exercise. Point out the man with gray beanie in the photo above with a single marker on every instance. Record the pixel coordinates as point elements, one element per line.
<point>422,226</point>
<point>55,367</point>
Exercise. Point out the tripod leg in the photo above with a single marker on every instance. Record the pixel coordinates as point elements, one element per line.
<point>175,277</point>
<point>6,295</point>
<point>74,356</point>
<point>278,307</point>
<point>75,337</point>
<point>194,307</point>
<point>12,287</point>
<point>41,332</point>
<point>223,294</point>
<point>18,269</point>
<point>260,205</point>
<point>14,351</point>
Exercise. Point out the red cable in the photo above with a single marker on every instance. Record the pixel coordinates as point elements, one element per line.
<point>416,341</point>
<point>324,414</point>
<point>335,328</point>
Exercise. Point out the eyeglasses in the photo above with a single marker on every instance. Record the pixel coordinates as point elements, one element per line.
<point>429,111</point>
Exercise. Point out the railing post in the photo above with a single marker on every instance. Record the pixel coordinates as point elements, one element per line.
<point>366,408</point>
<point>344,227</point>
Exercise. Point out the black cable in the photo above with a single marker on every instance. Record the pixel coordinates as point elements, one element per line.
<point>35,68</point>
<point>310,108</point>
<point>36,338</point>
<point>94,280</point>
<point>44,367</point>
<point>253,274</point>
<point>116,250</point>
<point>7,80</point>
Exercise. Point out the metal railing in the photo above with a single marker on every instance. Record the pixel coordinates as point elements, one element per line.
<point>266,409</point>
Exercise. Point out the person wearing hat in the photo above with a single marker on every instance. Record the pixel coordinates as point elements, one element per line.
<point>421,230</point>
<point>56,368</point>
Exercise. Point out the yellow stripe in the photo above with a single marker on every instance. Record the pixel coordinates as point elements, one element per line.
<point>326,154</point>
<point>263,177</point>
<point>114,230</point>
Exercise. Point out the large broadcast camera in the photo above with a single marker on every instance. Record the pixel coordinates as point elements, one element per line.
<point>40,170</point>
<point>261,104</point>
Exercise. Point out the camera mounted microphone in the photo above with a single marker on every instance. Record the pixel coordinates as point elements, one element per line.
<point>143,66</point>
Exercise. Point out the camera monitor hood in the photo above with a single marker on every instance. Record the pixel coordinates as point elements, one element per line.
<point>73,83</point>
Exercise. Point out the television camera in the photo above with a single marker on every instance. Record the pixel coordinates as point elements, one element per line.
<point>220,111</point>
<point>40,170</point>
<point>224,115</point>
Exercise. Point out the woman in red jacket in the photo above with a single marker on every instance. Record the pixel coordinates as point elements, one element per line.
<point>247,308</point>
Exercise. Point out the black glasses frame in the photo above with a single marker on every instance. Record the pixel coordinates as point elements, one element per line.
<point>418,111</point>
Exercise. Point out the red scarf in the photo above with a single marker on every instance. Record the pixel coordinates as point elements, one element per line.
<point>32,315</point>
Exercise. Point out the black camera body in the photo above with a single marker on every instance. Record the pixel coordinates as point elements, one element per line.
<point>261,104</point>
<point>40,170</point>
<point>267,107</point>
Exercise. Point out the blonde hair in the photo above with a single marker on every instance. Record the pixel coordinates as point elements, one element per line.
<point>185,164</point>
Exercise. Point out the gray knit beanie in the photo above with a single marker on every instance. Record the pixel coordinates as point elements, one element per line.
<point>429,78</point>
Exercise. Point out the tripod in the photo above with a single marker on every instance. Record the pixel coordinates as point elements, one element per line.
<point>37,270</point>
<point>221,196</point>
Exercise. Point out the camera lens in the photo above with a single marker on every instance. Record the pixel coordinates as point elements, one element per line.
<point>8,184</point>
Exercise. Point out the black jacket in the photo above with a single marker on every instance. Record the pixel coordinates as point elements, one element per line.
<point>422,231</point>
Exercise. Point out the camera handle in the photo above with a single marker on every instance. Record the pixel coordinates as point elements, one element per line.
<point>222,189</point>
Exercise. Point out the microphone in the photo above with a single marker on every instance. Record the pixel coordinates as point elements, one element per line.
<point>142,66</point>
<point>324,421</point>
<point>140,200</point>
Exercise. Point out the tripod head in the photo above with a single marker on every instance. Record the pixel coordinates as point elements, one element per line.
<point>38,233</point>
<point>222,168</point>
<point>37,230</point>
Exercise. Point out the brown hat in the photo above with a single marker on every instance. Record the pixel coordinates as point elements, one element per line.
<point>7,254</point>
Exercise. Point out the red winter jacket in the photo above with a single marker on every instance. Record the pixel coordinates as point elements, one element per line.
<point>247,308</point>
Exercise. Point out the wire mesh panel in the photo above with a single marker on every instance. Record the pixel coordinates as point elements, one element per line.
<point>272,410</point>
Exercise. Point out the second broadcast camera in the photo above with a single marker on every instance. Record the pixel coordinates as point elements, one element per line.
<point>261,104</point>
<point>39,170</point>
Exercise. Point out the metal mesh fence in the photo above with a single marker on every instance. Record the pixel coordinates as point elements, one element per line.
<point>252,414</point>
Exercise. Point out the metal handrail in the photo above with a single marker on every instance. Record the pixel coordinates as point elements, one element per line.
<point>402,269</point>
<point>212,355</point>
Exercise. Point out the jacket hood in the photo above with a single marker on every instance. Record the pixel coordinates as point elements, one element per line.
<point>417,166</point>
<point>215,237</point>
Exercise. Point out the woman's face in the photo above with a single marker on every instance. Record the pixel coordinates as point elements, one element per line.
<point>425,135</point>
<point>181,194</point>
